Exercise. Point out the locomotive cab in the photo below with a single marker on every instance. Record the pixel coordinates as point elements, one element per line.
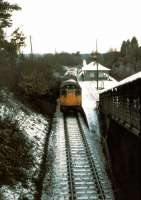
<point>70,95</point>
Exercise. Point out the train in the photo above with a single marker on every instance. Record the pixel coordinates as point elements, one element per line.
<point>70,92</point>
<point>70,74</point>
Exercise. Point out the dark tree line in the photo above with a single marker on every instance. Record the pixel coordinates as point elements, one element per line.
<point>9,46</point>
<point>125,62</point>
<point>41,74</point>
<point>31,74</point>
<point>12,45</point>
<point>131,52</point>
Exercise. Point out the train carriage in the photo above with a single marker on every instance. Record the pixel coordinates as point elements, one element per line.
<point>70,95</point>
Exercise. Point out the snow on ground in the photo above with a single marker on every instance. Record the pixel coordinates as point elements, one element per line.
<point>104,84</point>
<point>90,99</point>
<point>35,127</point>
<point>109,83</point>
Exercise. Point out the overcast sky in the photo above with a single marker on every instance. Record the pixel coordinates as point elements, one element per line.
<point>74,25</point>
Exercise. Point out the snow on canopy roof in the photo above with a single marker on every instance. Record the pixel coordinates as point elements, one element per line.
<point>130,79</point>
<point>93,67</point>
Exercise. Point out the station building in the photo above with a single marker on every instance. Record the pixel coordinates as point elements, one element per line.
<point>93,70</point>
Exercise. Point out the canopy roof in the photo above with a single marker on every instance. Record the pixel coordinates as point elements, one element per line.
<point>125,81</point>
<point>93,67</point>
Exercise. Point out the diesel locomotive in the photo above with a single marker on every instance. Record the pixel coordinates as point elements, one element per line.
<point>70,93</point>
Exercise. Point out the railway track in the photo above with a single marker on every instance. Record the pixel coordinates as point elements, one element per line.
<point>83,178</point>
<point>78,168</point>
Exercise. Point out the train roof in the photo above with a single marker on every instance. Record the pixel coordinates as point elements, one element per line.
<point>70,82</point>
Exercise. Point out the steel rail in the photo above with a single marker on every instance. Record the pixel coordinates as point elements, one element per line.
<point>72,194</point>
<point>91,161</point>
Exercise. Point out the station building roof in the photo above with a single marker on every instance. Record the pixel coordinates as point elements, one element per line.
<point>93,67</point>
